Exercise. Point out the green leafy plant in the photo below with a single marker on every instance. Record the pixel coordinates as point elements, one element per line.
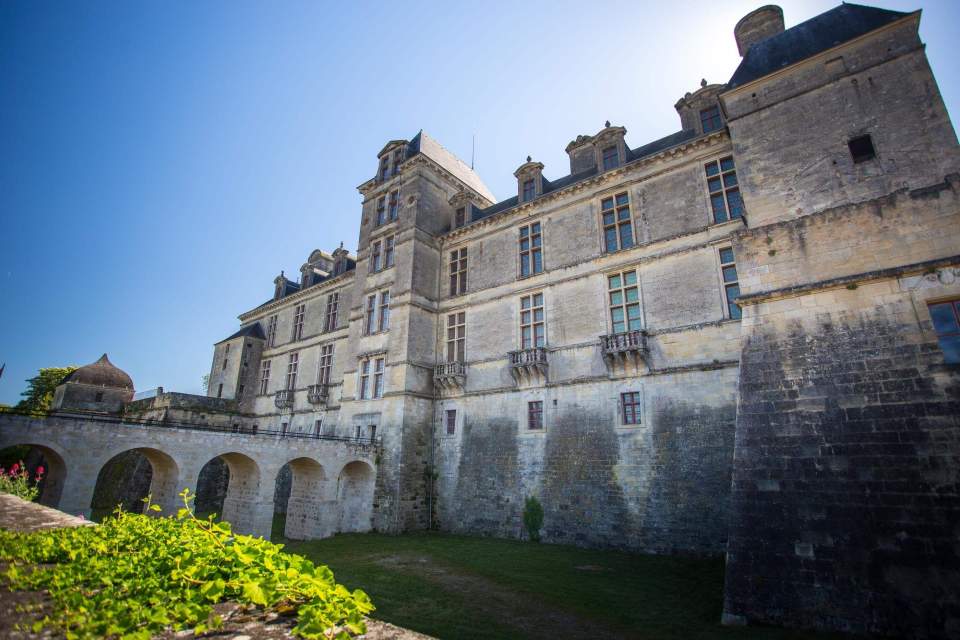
<point>38,397</point>
<point>17,481</point>
<point>134,575</point>
<point>533,518</point>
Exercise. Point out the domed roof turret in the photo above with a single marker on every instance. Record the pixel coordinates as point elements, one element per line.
<point>101,373</point>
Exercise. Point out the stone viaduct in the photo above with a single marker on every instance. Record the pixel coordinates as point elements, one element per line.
<point>332,479</point>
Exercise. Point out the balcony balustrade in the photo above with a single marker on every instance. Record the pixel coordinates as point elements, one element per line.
<point>450,375</point>
<point>283,399</point>
<point>625,352</point>
<point>317,394</point>
<point>529,366</point>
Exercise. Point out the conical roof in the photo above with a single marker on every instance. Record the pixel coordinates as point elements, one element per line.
<point>101,373</point>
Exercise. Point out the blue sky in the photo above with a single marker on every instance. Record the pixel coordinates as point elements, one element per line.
<point>160,163</point>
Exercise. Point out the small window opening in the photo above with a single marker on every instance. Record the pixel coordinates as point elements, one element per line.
<point>99,397</point>
<point>861,149</point>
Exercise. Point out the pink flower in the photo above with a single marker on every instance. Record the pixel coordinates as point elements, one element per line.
<point>39,472</point>
<point>15,468</point>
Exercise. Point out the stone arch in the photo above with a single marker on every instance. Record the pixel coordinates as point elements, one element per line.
<point>243,506</point>
<point>355,486</point>
<point>54,470</point>
<point>129,476</point>
<point>310,514</point>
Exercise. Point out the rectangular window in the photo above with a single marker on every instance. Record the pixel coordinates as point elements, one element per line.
<point>458,271</point>
<point>710,119</point>
<point>264,376</point>
<point>388,246</point>
<point>531,250</point>
<point>456,336</point>
<point>861,149</point>
<point>283,429</point>
<point>318,427</point>
<point>624,300</point>
<point>372,430</point>
<point>381,210</point>
<point>371,313</point>
<point>325,365</point>
<point>378,378</point>
<point>240,391</point>
<point>532,329</point>
<point>357,432</point>
<point>397,159</point>
<point>384,322</point>
<point>611,158</point>
<point>272,331</point>
<point>219,393</point>
<point>451,421</point>
<point>375,257</point>
<point>731,287</point>
<point>535,415</point>
<point>364,379</point>
<point>946,322</point>
<point>460,217</point>
<point>617,226</point>
<point>330,322</point>
<point>630,403</point>
<point>529,190</point>
<point>724,191</point>
<point>298,315</point>
<point>384,167</point>
<point>292,364</point>
<point>394,209</point>
<point>225,361</point>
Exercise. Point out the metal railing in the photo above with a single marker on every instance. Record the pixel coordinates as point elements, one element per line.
<point>317,393</point>
<point>635,340</point>
<point>526,357</point>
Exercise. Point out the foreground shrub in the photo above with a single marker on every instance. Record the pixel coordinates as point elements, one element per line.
<point>135,575</point>
<point>17,481</point>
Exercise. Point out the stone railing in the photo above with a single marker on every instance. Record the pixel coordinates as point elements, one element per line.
<point>317,394</point>
<point>450,375</point>
<point>529,366</point>
<point>625,353</point>
<point>283,399</point>
<point>629,341</point>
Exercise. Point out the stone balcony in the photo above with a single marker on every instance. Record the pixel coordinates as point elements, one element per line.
<point>283,399</point>
<point>529,366</point>
<point>317,394</point>
<point>625,352</point>
<point>450,375</point>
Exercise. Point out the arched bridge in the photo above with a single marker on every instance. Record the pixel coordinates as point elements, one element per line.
<point>332,479</point>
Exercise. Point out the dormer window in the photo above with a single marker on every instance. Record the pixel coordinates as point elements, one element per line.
<point>460,217</point>
<point>384,167</point>
<point>529,190</point>
<point>397,159</point>
<point>611,158</point>
<point>710,119</point>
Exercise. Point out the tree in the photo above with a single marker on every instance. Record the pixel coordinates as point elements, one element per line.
<point>39,394</point>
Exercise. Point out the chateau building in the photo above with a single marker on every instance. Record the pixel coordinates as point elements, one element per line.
<point>741,338</point>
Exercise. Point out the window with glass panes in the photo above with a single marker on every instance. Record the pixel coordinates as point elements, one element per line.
<point>456,336</point>
<point>535,415</point>
<point>623,296</point>
<point>378,378</point>
<point>617,227</point>
<point>458,271</point>
<point>710,119</point>
<point>264,376</point>
<point>330,322</point>
<point>272,331</point>
<point>375,256</point>
<point>611,158</point>
<point>630,405</point>
<point>394,208</point>
<point>724,192</point>
<point>451,421</point>
<point>531,250</point>
<point>298,315</point>
<point>397,159</point>
<point>388,247</point>
<point>459,217</point>
<point>384,168</point>
<point>293,362</point>
<point>326,364</point>
<point>381,210</point>
<point>532,329</point>
<point>384,322</point>
<point>364,379</point>
<point>946,322</point>
<point>529,190</point>
<point>731,286</point>
<point>371,314</point>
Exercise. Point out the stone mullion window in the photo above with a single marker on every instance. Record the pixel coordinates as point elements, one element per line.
<point>371,314</point>
<point>388,251</point>
<point>731,285</point>
<point>458,271</point>
<point>535,415</point>
<point>451,419</point>
<point>292,364</point>
<point>725,200</point>
<point>384,322</point>
<point>375,257</point>
<point>364,378</point>
<point>532,327</point>
<point>264,376</point>
<point>326,364</point>
<point>611,158</point>
<point>272,331</point>
<point>531,250</point>
<point>529,190</point>
<point>456,336</point>
<point>710,119</point>
<point>617,223</point>
<point>381,210</point>
<point>630,407</point>
<point>394,206</point>
<point>298,316</point>
<point>397,159</point>
<point>384,168</point>
<point>333,301</point>
<point>459,217</point>
<point>378,378</point>
<point>623,296</point>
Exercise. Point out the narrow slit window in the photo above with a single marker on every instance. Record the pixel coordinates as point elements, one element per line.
<point>731,285</point>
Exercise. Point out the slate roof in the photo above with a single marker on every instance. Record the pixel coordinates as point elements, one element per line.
<point>825,31</point>
<point>550,186</point>
<point>423,143</point>
<point>251,330</point>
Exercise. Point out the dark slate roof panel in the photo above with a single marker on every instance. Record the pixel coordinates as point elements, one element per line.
<point>657,146</point>
<point>250,331</point>
<point>836,26</point>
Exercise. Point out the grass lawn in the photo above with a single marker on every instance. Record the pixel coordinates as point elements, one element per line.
<point>457,587</point>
